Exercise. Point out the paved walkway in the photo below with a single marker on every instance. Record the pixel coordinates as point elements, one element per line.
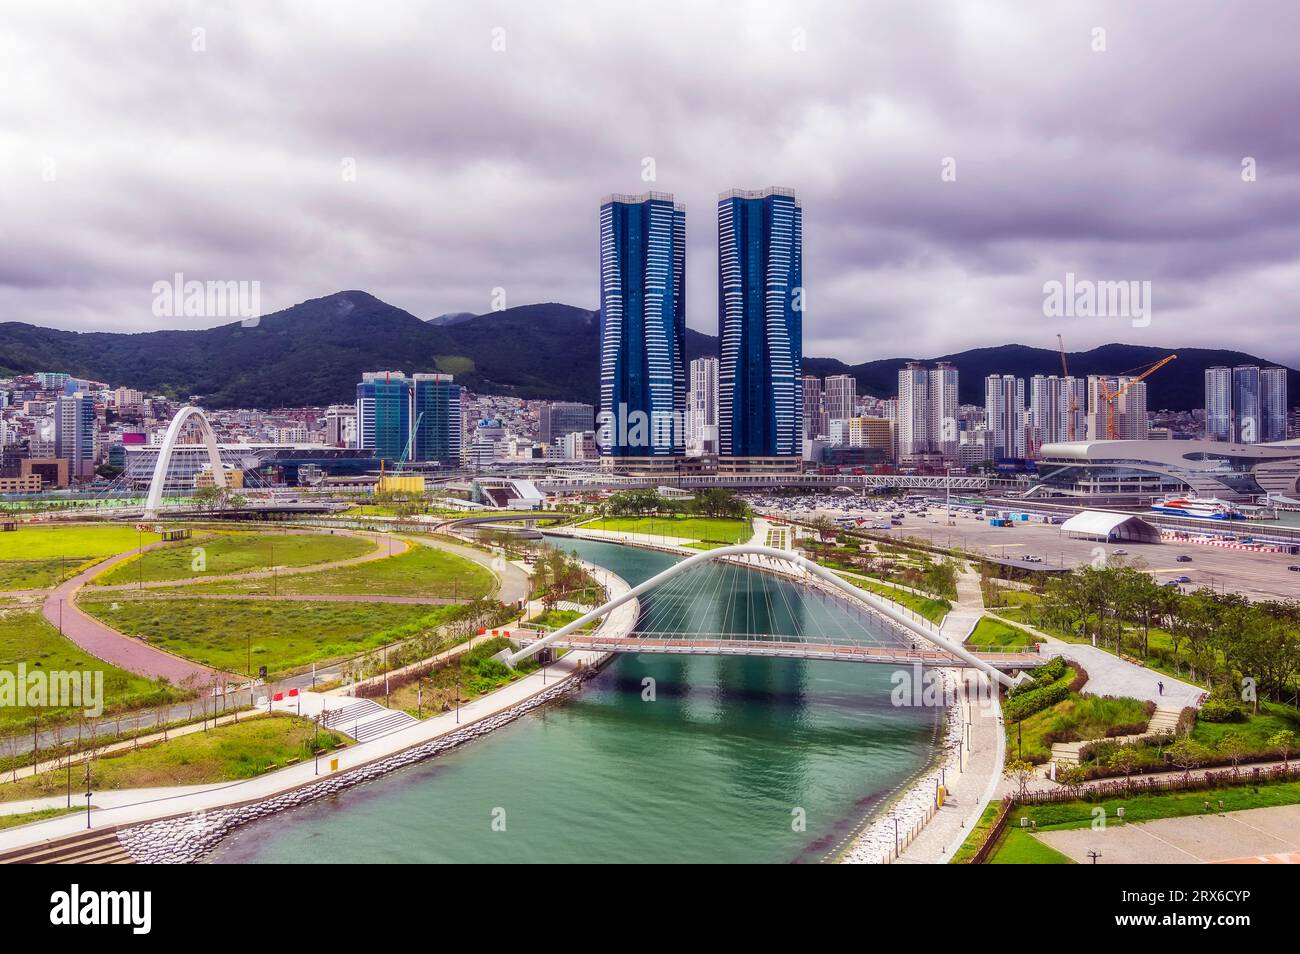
<point>105,643</point>
<point>1108,675</point>
<point>148,808</point>
<point>512,580</point>
<point>514,584</point>
<point>972,772</point>
<point>302,598</point>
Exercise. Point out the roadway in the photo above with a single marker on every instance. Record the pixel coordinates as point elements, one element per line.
<point>1258,576</point>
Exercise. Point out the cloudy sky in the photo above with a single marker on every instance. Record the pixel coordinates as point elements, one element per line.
<point>432,152</point>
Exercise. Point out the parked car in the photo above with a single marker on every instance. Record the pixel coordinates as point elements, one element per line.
<point>1294,567</point>
<point>1119,551</point>
<point>1184,558</point>
<point>1173,583</point>
<point>1182,579</point>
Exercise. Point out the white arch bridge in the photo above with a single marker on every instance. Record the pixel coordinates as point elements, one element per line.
<point>153,502</point>
<point>780,621</point>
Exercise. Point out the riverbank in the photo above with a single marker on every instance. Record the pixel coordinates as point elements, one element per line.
<point>181,827</point>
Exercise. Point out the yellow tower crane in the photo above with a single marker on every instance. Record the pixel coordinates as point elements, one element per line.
<point>1110,398</point>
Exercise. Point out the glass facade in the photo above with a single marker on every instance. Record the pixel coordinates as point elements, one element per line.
<point>760,324</point>
<point>415,418</point>
<point>642,326</point>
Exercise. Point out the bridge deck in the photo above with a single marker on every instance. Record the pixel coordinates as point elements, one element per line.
<point>790,649</point>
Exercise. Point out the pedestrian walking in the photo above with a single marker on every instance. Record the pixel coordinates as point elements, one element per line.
<point>1161,687</point>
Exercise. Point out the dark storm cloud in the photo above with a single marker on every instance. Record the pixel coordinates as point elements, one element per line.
<point>479,168</point>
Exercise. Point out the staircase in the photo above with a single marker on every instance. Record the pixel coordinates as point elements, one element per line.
<point>366,719</point>
<point>1164,720</point>
<point>94,847</point>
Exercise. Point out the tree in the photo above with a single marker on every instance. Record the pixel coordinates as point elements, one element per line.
<point>1234,747</point>
<point>1283,743</point>
<point>1070,776</point>
<point>1020,772</point>
<point>718,502</point>
<point>823,526</point>
<point>1125,759</point>
<point>1187,755</point>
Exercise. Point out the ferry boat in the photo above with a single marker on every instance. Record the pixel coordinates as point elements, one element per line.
<point>1209,508</point>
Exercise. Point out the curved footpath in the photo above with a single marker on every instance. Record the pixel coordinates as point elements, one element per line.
<point>183,826</point>
<point>385,546</point>
<point>510,580</point>
<point>117,649</point>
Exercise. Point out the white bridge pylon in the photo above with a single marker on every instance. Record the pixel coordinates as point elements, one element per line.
<point>887,609</point>
<point>154,501</point>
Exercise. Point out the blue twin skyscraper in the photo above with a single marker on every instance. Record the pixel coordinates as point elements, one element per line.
<point>641,425</point>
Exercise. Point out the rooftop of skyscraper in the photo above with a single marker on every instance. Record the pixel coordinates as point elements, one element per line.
<point>758,193</point>
<point>627,198</point>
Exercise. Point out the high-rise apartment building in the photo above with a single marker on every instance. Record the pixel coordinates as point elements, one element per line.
<point>841,395</point>
<point>642,331</point>
<point>1053,401</point>
<point>1272,404</point>
<point>943,410</point>
<point>1004,409</point>
<point>816,419</point>
<point>913,419</point>
<point>760,330</point>
<point>926,419</point>
<point>1130,408</point>
<point>1218,404</point>
<point>702,407</point>
<point>1245,404</point>
<point>1247,416</point>
<point>74,433</point>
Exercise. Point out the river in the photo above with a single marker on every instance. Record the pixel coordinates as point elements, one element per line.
<point>735,760</point>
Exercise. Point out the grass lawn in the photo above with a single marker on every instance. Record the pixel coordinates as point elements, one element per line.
<point>1087,716</point>
<point>994,632</point>
<point>554,619</point>
<point>1257,729</point>
<point>26,637</point>
<point>74,541</point>
<point>245,749</point>
<point>1017,847</point>
<point>977,834</point>
<point>1011,598</point>
<point>284,636</point>
<point>224,553</point>
<point>420,571</point>
<point>41,814</point>
<point>35,557</point>
<point>1139,808</point>
<point>707,529</point>
<point>932,608</point>
<point>36,574</point>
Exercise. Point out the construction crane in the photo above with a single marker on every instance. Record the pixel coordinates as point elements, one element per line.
<point>1110,398</point>
<point>1066,382</point>
<point>406,451</point>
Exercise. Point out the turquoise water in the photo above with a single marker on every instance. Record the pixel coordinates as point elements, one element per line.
<point>731,753</point>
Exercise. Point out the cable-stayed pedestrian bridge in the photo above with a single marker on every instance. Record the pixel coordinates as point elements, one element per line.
<point>714,603</point>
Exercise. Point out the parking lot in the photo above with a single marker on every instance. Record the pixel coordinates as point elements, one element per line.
<point>1258,576</point>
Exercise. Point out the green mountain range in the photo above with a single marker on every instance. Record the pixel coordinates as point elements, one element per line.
<point>314,353</point>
